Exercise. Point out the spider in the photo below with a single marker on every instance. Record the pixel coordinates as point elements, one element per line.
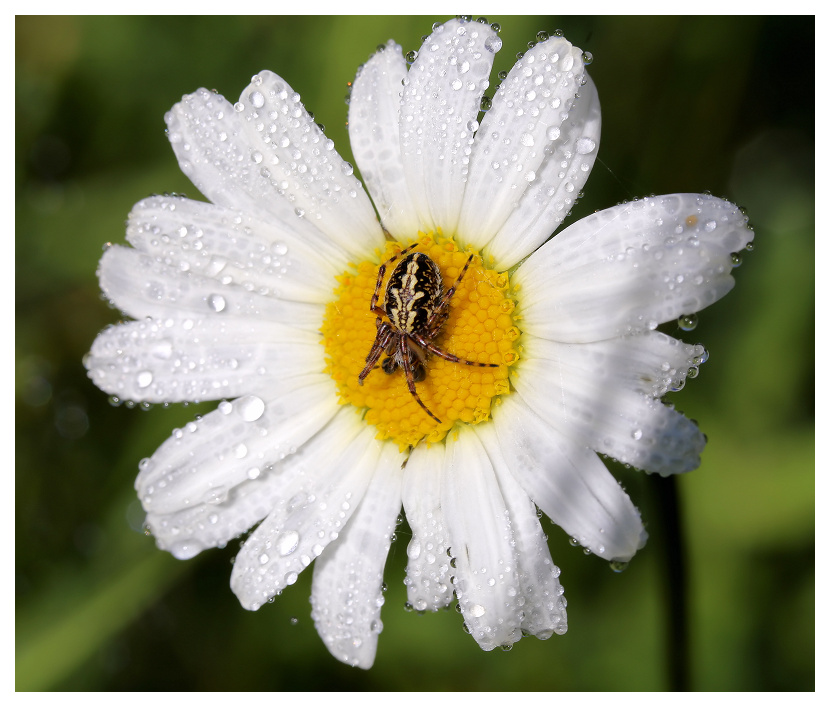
<point>416,307</point>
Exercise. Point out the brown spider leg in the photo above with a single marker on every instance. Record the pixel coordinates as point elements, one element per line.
<point>435,321</point>
<point>382,340</point>
<point>410,378</point>
<point>432,348</point>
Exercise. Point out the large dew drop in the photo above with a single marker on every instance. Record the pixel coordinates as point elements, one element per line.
<point>288,542</point>
<point>250,408</point>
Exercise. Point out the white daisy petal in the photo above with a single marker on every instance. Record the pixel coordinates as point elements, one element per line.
<point>175,360</point>
<point>568,482</point>
<point>441,101</point>
<point>185,533</point>
<point>328,480</point>
<point>631,267</point>
<point>142,285</point>
<point>544,603</point>
<point>531,130</point>
<point>374,134</point>
<point>557,184</point>
<point>266,156</point>
<point>233,248</point>
<point>487,582</point>
<point>347,590</point>
<point>428,571</point>
<point>238,442</point>
<point>604,394</point>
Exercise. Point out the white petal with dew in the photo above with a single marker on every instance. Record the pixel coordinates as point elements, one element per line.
<point>631,267</point>
<point>301,165</point>
<point>528,126</point>
<point>439,111</point>
<point>557,185</point>
<point>329,476</point>
<point>180,359</point>
<point>374,134</point>
<point>544,602</point>
<point>208,458</point>
<point>428,586</point>
<point>233,248</point>
<point>234,482</point>
<point>266,156</point>
<point>347,590</point>
<point>143,285</point>
<point>486,572</point>
<point>605,394</point>
<point>567,481</point>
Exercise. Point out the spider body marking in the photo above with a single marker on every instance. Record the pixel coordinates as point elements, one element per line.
<point>416,308</point>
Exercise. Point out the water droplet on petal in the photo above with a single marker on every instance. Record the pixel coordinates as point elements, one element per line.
<point>288,542</point>
<point>216,303</point>
<point>687,322</point>
<point>145,378</point>
<point>250,408</point>
<point>492,44</point>
<point>585,146</point>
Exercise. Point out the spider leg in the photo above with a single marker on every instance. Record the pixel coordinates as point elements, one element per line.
<point>382,341</point>
<point>410,378</point>
<point>432,348</point>
<point>436,321</point>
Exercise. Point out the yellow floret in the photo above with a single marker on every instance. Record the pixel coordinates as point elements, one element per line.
<point>479,328</point>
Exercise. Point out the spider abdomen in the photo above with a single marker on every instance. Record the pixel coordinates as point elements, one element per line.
<point>413,293</point>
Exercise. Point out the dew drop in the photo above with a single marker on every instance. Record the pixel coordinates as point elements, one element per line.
<point>145,378</point>
<point>288,542</point>
<point>687,322</point>
<point>216,303</point>
<point>492,44</point>
<point>585,146</point>
<point>250,408</point>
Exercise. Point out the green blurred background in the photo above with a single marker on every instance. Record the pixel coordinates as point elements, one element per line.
<point>721,104</point>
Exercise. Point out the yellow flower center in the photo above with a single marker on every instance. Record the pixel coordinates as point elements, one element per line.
<point>478,328</point>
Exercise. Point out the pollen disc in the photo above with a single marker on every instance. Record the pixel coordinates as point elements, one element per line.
<point>479,328</point>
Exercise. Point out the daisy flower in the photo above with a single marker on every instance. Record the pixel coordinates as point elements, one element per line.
<point>435,352</point>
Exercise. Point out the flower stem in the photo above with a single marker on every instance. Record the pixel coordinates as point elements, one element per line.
<point>674,565</point>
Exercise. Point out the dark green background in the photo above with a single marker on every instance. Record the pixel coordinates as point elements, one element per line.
<point>689,104</point>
